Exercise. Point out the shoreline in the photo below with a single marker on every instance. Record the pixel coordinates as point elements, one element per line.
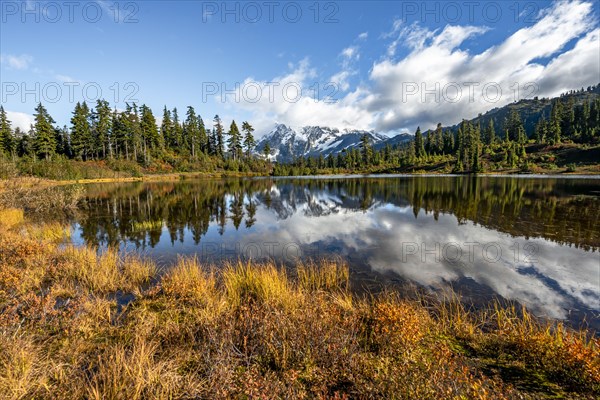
<point>30,181</point>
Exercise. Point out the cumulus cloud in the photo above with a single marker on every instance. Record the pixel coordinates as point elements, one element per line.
<point>20,62</point>
<point>292,99</point>
<point>439,80</point>
<point>20,120</point>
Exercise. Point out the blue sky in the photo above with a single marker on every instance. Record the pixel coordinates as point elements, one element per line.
<point>387,65</point>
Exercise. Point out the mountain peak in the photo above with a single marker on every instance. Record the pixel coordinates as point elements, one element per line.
<point>287,143</point>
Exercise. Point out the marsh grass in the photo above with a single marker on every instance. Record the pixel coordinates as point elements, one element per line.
<point>250,330</point>
<point>39,196</point>
<point>326,275</point>
<point>10,217</point>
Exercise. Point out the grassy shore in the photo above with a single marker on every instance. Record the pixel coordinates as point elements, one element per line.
<point>76,323</point>
<point>565,158</point>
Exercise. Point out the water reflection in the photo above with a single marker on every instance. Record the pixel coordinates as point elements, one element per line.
<point>532,240</point>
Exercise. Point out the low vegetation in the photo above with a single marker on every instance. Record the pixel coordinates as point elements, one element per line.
<point>76,322</point>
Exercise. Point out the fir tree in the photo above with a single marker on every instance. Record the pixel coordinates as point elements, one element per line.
<point>234,142</point>
<point>202,136</point>
<point>367,150</point>
<point>438,140</point>
<point>167,130</point>
<point>101,128</point>
<point>7,140</point>
<point>554,127</point>
<point>191,133</point>
<point>149,128</point>
<point>82,141</point>
<point>541,130</point>
<point>218,136</point>
<point>44,142</point>
<point>418,142</point>
<point>249,142</point>
<point>514,127</point>
<point>177,131</point>
<point>490,133</point>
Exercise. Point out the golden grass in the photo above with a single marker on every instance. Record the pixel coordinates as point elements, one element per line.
<point>188,280</point>
<point>52,232</point>
<point>252,330</point>
<point>11,217</point>
<point>21,371</point>
<point>328,274</point>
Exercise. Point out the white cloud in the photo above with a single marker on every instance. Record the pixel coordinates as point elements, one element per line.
<point>437,61</point>
<point>20,120</point>
<point>21,62</point>
<point>291,100</point>
<point>363,36</point>
<point>340,80</point>
<point>66,78</point>
<point>350,52</point>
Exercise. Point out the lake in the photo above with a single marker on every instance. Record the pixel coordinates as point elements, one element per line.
<point>533,240</point>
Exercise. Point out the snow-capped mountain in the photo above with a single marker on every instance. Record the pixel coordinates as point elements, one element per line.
<point>287,143</point>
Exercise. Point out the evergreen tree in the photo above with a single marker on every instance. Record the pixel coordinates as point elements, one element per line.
<point>490,133</point>
<point>554,127</point>
<point>418,142</point>
<point>44,142</point>
<point>330,161</point>
<point>133,131</point>
<point>541,130</point>
<point>234,142</point>
<point>267,151</point>
<point>167,130</point>
<point>340,162</point>
<point>191,133</point>
<point>448,142</point>
<point>24,145</point>
<point>514,127</point>
<point>120,134</point>
<point>7,140</point>
<point>367,150</point>
<point>212,142</point>
<point>461,148</point>
<point>177,131</point>
<point>101,128</point>
<point>438,140</point>
<point>218,136</point>
<point>202,136</point>
<point>149,129</point>
<point>249,142</point>
<point>475,142</point>
<point>82,141</point>
<point>63,142</point>
<point>429,142</point>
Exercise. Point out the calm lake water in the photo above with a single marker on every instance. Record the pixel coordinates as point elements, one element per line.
<point>534,240</point>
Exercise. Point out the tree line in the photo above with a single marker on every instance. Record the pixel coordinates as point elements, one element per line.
<point>101,133</point>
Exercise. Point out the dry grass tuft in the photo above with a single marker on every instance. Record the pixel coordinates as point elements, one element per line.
<point>246,282</point>
<point>188,280</point>
<point>10,218</point>
<point>326,275</point>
